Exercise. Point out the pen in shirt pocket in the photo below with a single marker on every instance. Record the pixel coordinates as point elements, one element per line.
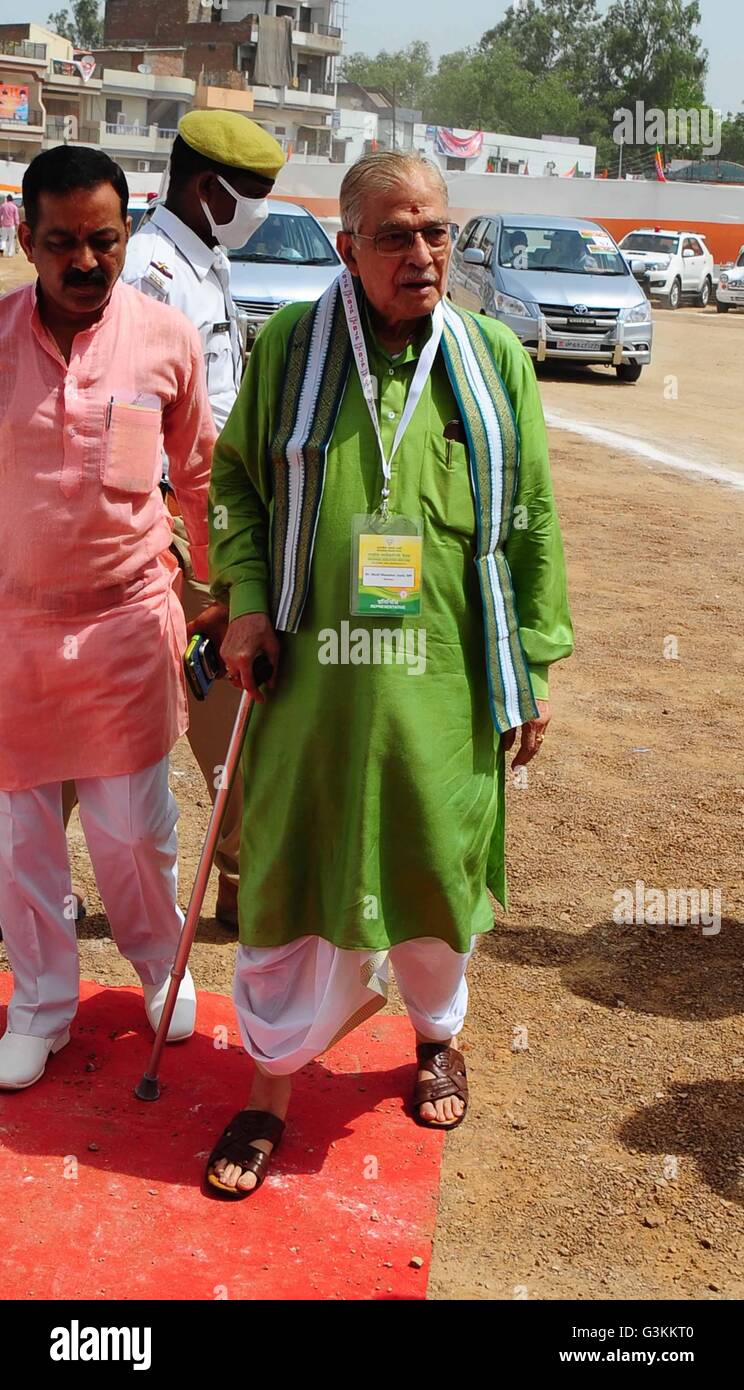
<point>453,431</point>
<point>109,409</point>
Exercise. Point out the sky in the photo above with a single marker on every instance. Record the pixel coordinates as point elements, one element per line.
<point>447,25</point>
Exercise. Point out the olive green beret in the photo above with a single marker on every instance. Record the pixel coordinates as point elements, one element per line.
<point>232,139</point>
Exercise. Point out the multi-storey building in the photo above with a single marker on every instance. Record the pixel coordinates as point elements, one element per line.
<point>285,55</point>
<point>26,54</point>
<point>127,101</point>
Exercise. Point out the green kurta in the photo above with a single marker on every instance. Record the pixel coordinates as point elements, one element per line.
<point>374,793</point>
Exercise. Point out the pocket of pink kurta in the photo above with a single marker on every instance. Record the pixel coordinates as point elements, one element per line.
<point>132,459</point>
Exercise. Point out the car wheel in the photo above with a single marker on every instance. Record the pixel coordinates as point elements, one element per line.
<point>674,298</point>
<point>628,371</point>
<point>705,292</point>
<point>722,308</point>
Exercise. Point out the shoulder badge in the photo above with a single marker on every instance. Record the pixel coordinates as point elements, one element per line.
<point>159,276</point>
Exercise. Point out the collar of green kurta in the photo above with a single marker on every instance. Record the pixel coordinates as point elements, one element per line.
<point>411,353</point>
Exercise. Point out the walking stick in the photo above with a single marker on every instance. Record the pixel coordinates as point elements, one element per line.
<point>148,1087</point>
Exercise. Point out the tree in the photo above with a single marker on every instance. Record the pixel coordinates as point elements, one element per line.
<point>641,50</point>
<point>559,67</point>
<point>732,138</point>
<point>84,27</point>
<point>489,88</point>
<point>552,36</point>
<point>408,70</point>
<point>651,53</point>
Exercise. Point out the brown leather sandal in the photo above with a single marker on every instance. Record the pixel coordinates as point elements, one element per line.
<point>450,1079</point>
<point>235,1145</point>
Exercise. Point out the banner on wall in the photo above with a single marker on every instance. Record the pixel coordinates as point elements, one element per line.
<point>14,104</point>
<point>459,146</point>
<point>83,67</point>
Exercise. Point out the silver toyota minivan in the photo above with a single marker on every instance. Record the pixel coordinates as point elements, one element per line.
<point>561,284</point>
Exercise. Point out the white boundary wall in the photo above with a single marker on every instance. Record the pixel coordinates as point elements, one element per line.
<point>717,211</point>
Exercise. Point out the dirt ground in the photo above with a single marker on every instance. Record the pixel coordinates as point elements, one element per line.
<point>602,1156</point>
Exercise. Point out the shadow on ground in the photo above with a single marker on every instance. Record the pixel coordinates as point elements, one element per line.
<point>667,971</point>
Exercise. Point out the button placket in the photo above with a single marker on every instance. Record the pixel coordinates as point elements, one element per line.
<point>73,437</point>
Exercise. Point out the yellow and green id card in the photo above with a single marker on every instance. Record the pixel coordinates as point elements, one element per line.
<point>386,565</point>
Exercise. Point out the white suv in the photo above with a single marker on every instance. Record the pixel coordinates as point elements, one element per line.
<point>679,263</point>
<point>730,292</point>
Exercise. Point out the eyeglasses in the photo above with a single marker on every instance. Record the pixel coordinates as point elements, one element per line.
<point>396,243</point>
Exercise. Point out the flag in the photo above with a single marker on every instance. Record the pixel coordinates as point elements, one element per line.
<point>659,166</point>
<point>571,174</point>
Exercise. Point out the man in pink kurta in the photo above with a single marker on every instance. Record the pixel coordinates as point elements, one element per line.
<point>96,380</point>
<point>9,219</point>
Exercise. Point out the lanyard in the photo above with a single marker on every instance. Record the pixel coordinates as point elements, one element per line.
<point>421,376</point>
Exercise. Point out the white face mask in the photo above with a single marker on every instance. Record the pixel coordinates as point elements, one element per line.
<point>247,218</point>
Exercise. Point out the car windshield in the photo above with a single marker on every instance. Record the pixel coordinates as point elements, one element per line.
<point>564,251</point>
<point>282,240</point>
<point>649,241</point>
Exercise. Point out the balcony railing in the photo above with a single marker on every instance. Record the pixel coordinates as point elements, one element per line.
<point>164,133</point>
<point>87,134</point>
<point>21,48</point>
<point>325,31</point>
<point>309,84</point>
<point>223,79</point>
<point>35,118</point>
<point>329,31</point>
<point>141,130</point>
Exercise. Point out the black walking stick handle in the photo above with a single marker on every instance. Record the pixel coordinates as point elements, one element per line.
<point>262,669</point>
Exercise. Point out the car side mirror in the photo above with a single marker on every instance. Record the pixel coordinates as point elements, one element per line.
<point>638,268</point>
<point>688,252</point>
<point>474,256</point>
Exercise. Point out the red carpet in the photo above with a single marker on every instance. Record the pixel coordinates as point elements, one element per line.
<point>100,1193</point>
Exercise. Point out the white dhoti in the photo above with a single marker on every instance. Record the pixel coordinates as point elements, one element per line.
<point>293,1002</point>
<point>130,828</point>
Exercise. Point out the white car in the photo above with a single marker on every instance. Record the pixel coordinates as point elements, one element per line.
<point>730,292</point>
<point>678,263</point>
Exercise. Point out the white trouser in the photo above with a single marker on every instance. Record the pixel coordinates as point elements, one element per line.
<point>130,829</point>
<point>8,240</point>
<point>293,1001</point>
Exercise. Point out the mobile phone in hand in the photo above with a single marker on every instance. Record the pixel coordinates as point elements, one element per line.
<point>201,664</point>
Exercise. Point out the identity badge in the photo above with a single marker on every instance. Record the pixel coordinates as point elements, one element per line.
<point>386,566</point>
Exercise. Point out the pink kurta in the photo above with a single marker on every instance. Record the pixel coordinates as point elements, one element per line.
<point>92,634</point>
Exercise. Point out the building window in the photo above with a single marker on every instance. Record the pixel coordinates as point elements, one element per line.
<point>453,163</point>
<point>113,111</point>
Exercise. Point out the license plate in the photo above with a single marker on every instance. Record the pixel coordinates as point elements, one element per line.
<point>575,345</point>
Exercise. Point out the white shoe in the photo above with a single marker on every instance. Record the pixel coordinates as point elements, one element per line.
<point>24,1057</point>
<point>184,1014</point>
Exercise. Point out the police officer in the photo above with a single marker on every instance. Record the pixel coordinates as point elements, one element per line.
<point>222,167</point>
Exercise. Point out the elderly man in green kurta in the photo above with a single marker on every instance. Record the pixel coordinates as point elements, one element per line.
<point>383,529</point>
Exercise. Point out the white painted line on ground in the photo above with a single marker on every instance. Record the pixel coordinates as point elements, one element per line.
<point>627,444</point>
